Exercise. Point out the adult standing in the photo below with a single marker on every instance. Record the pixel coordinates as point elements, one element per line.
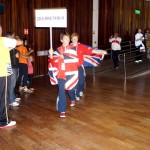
<point>115,41</point>
<point>14,56</point>
<point>139,38</point>
<point>5,72</point>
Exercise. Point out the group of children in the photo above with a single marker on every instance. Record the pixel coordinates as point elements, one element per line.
<point>66,69</point>
<point>65,66</point>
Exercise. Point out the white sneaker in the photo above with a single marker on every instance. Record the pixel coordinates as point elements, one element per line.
<point>81,93</point>
<point>27,90</point>
<point>77,98</point>
<point>72,103</point>
<point>62,115</point>
<point>140,61</point>
<point>15,104</point>
<point>17,99</point>
<point>10,124</point>
<point>21,88</point>
<point>136,61</point>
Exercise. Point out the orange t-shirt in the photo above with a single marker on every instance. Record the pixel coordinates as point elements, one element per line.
<point>23,50</point>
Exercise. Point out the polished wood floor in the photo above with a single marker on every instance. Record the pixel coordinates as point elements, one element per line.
<point>112,115</point>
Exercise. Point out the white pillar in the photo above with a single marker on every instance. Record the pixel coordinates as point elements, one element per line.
<point>95,23</point>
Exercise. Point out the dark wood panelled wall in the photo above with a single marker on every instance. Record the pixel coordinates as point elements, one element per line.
<point>119,16</point>
<point>18,15</point>
<point>114,15</point>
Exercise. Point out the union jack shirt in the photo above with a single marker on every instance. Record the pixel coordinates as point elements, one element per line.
<point>64,65</point>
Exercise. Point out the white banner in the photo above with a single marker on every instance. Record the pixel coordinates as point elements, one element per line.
<point>51,18</point>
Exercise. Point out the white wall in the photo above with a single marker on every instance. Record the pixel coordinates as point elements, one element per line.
<point>95,23</point>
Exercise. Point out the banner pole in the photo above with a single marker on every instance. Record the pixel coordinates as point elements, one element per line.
<point>51,38</point>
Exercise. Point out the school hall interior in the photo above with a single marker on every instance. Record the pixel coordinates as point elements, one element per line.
<point>113,113</point>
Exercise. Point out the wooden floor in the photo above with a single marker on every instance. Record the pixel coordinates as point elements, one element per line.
<point>112,115</point>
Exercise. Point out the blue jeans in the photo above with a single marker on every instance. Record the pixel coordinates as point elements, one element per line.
<point>13,79</point>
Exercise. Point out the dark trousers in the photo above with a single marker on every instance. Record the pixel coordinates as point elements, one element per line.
<point>30,79</point>
<point>4,98</point>
<point>23,74</point>
<point>81,82</point>
<point>61,99</point>
<point>115,58</point>
<point>138,54</point>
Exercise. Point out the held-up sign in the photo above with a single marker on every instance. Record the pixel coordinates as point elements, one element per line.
<point>51,17</point>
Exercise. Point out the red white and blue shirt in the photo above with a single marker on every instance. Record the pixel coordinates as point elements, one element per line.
<point>64,65</point>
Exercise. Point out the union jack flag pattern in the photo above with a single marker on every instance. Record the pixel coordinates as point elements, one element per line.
<point>93,60</point>
<point>52,72</point>
<point>64,65</point>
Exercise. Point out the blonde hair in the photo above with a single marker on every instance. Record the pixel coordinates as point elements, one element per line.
<point>74,34</point>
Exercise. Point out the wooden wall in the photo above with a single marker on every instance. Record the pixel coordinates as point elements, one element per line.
<point>18,15</point>
<point>119,16</point>
<point>114,16</point>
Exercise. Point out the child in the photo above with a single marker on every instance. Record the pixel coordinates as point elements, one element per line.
<point>23,68</point>
<point>65,62</point>
<point>81,51</point>
<point>30,72</point>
